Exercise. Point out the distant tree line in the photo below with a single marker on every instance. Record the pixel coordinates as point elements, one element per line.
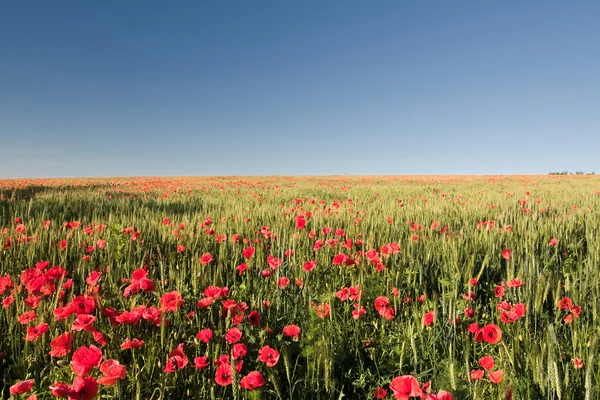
<point>571,173</point>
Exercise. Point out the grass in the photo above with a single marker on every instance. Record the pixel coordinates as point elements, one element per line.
<point>440,223</point>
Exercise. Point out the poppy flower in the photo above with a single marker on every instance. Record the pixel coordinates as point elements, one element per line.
<point>61,345</point>
<point>274,262</point>
<point>339,259</point>
<point>292,331</point>
<point>553,242</point>
<point>112,371</point>
<point>254,318</point>
<point>85,359</point>
<point>84,322</point>
<point>487,362</point>
<point>496,376</point>
<point>443,395</point>
<point>358,311</point>
<point>206,258</point>
<point>323,311</point>
<point>204,335</point>
<point>507,254</point>
<point>233,335</point>
<point>252,381</point>
<point>268,355</point>
<point>171,301</point>
<point>300,222</point>
<point>520,309</point>
<point>381,303</point>
<point>84,388</point>
<point>477,374</point>
<point>239,350</point>
<point>499,291</point>
<point>35,332</point>
<point>515,283</point>
<point>61,389</point>
<point>224,375</point>
<point>22,387</point>
<point>565,303</point>
<point>577,363</point>
<point>508,316</point>
<point>428,318</point>
<point>309,265</point>
<point>201,362</point>
<point>248,252</point>
<point>492,333</point>
<point>405,387</point>
<point>380,393</point>
<point>176,360</point>
<point>27,317</point>
<point>283,282</point>
<point>132,344</point>
<point>84,305</point>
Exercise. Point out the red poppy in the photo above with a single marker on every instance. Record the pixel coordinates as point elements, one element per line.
<point>508,316</point>
<point>27,317</point>
<point>499,291</point>
<point>252,381</point>
<point>201,362</point>
<point>405,387</point>
<point>514,283</point>
<point>381,303</point>
<point>380,393</point>
<point>205,335</point>
<point>300,222</point>
<point>22,387</point>
<point>492,333</point>
<point>85,359</point>
<point>274,262</point>
<point>112,371</point>
<point>61,345</point>
<point>496,376</point>
<point>268,355</point>
<point>176,360</point>
<point>477,374</point>
<point>577,363</point>
<point>520,309</point>
<point>339,259</point>
<point>84,322</point>
<point>224,375</point>
<point>254,318</point>
<point>239,350</point>
<point>132,344</point>
<point>35,332</point>
<point>83,305</point>
<point>206,258</point>
<point>487,362</point>
<point>309,265</point>
<point>171,301</point>
<point>324,311</point>
<point>553,242</point>
<point>292,331</point>
<point>507,254</point>
<point>248,252</point>
<point>233,335</point>
<point>428,318</point>
<point>565,303</point>
<point>84,388</point>
<point>283,282</point>
<point>443,395</point>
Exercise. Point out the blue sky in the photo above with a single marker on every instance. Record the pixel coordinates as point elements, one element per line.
<point>134,88</point>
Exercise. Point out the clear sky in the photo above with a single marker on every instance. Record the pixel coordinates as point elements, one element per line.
<point>121,88</point>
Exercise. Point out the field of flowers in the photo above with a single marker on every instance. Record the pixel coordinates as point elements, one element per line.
<point>300,288</point>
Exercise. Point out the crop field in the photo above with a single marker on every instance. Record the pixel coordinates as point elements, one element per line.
<point>400,287</point>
